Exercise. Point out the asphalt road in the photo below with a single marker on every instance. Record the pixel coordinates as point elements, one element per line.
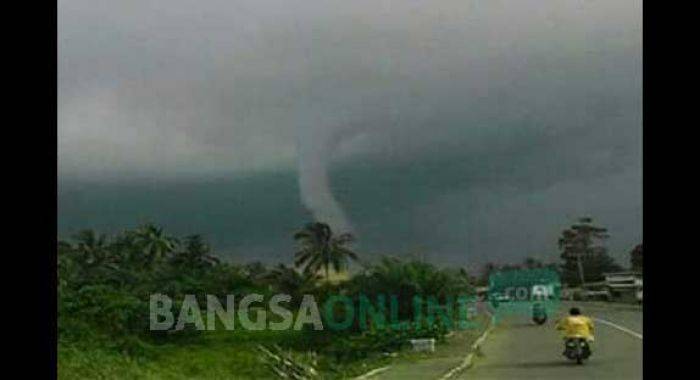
<point>518,349</point>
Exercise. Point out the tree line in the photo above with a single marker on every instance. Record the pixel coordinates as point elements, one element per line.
<point>583,255</point>
<point>105,282</point>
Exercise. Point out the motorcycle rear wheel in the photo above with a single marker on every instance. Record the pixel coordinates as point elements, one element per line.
<point>579,353</point>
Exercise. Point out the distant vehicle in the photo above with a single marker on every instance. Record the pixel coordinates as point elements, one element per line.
<point>503,297</point>
<point>498,298</point>
<point>603,295</point>
<point>539,314</point>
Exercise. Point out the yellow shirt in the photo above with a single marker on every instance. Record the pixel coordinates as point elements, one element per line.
<point>576,327</point>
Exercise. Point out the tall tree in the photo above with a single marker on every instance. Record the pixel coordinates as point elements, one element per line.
<point>287,280</point>
<point>255,271</point>
<point>92,248</point>
<point>488,268</point>
<point>196,254</point>
<point>320,249</point>
<point>636,261</point>
<point>532,263</point>
<point>583,243</point>
<point>153,242</point>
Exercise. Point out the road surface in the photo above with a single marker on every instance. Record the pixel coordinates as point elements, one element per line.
<point>518,349</point>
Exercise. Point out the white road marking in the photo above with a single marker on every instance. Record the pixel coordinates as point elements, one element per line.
<point>372,373</point>
<point>621,328</point>
<point>469,359</point>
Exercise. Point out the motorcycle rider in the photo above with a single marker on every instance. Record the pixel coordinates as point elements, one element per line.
<point>576,325</point>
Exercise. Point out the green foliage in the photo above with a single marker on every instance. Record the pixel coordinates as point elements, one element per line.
<point>110,310</point>
<point>215,355</point>
<point>105,282</point>
<point>376,343</point>
<point>389,277</point>
<point>321,249</point>
<point>583,253</point>
<point>288,280</point>
<point>195,255</point>
<point>408,279</point>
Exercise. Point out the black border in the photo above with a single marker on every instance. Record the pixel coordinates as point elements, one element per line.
<point>646,119</point>
<point>44,255</point>
<point>668,302</point>
<point>43,78</point>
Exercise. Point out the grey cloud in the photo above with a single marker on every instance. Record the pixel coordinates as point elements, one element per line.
<point>220,74</point>
<point>526,95</point>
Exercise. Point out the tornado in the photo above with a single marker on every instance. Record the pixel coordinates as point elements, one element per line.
<point>315,148</point>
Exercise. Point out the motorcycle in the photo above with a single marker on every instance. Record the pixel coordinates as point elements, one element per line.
<point>539,314</point>
<point>577,349</point>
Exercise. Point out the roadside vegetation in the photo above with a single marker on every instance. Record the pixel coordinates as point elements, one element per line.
<point>103,305</point>
<point>105,282</point>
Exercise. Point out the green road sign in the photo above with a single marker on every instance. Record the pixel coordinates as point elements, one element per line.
<point>518,291</point>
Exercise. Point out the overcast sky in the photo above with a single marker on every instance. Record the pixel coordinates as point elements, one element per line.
<point>471,129</point>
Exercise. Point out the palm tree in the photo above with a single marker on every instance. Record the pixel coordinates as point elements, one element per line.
<point>289,281</point>
<point>93,248</point>
<point>255,271</point>
<point>196,253</point>
<point>153,242</point>
<point>320,249</point>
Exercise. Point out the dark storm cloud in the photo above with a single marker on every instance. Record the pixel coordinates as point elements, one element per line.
<point>500,101</point>
<point>206,80</point>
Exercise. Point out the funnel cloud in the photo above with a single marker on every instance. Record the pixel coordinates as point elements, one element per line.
<point>471,129</point>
